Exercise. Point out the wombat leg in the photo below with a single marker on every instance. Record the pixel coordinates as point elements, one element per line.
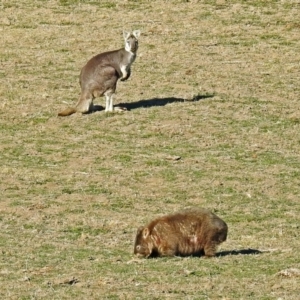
<point>166,251</point>
<point>210,250</point>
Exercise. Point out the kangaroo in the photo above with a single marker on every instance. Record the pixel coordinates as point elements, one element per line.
<point>100,75</point>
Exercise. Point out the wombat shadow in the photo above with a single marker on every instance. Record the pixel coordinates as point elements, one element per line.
<point>248,251</point>
<point>146,103</point>
<point>239,252</point>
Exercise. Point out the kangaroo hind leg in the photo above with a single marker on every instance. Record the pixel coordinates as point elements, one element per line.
<point>109,107</point>
<point>85,102</point>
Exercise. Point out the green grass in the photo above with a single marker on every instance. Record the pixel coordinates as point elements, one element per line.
<point>214,122</point>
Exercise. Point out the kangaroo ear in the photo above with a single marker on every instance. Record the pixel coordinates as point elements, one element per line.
<point>136,33</point>
<point>145,233</point>
<point>126,34</point>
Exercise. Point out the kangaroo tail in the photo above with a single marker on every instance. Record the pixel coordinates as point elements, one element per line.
<point>67,112</point>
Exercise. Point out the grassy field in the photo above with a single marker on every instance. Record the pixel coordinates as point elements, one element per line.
<point>213,121</point>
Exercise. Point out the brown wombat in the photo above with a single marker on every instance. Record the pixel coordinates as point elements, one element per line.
<point>190,232</point>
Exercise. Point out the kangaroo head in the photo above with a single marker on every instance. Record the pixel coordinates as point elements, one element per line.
<point>131,40</point>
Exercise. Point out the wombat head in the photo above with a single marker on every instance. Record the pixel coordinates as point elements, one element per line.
<point>142,245</point>
<point>220,231</point>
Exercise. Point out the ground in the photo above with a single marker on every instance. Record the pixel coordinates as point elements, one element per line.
<point>213,121</point>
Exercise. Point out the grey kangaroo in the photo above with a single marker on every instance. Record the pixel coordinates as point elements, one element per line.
<point>100,75</point>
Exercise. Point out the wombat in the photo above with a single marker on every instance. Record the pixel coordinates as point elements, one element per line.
<point>189,232</point>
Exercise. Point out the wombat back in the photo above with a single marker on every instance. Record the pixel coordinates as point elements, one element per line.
<point>189,232</point>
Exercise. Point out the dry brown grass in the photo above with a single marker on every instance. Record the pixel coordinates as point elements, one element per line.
<point>74,189</point>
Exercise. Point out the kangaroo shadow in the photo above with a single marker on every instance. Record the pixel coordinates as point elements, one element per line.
<point>95,108</point>
<point>146,103</point>
<point>150,103</point>
<point>239,252</point>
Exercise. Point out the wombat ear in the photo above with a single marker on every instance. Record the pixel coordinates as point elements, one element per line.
<point>140,229</point>
<point>145,232</point>
<point>126,34</point>
<point>136,33</point>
